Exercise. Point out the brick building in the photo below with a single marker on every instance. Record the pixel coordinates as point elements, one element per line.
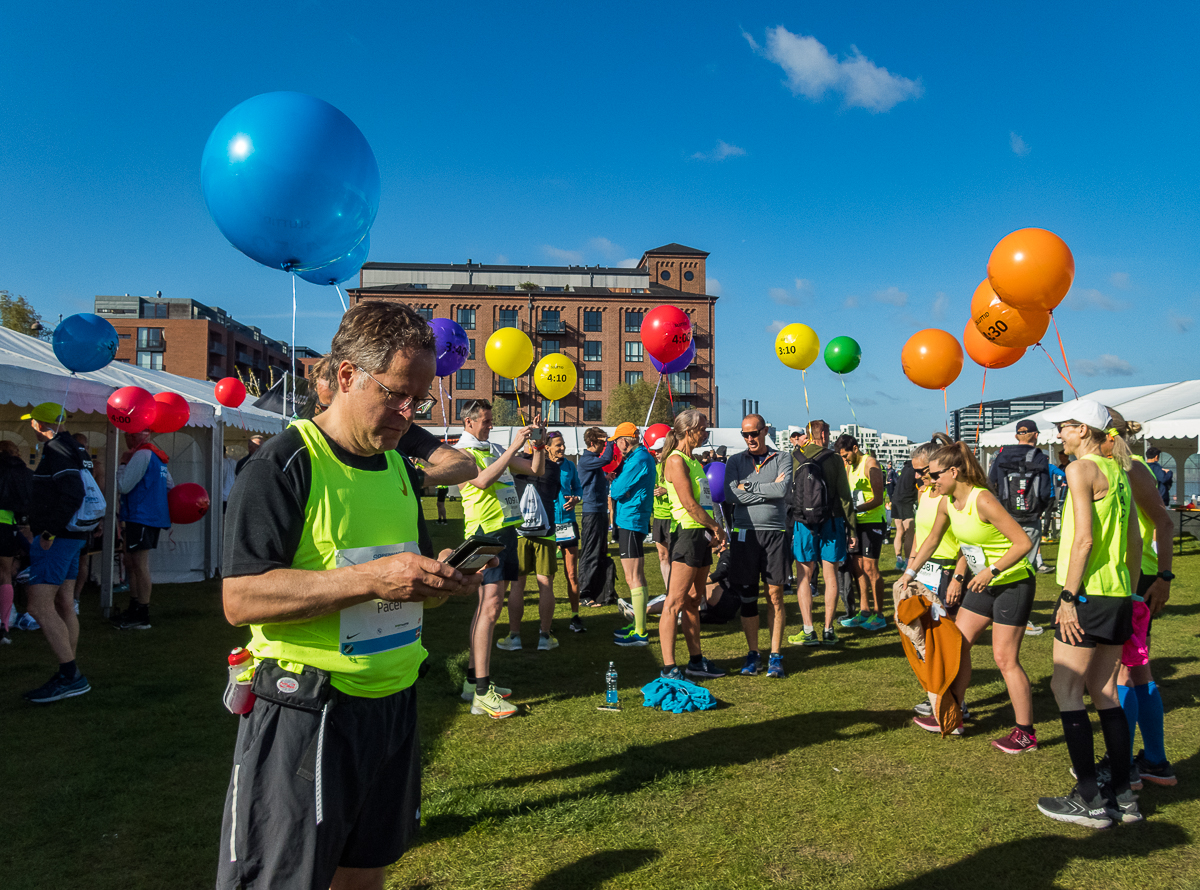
<point>592,314</point>
<point>193,340</point>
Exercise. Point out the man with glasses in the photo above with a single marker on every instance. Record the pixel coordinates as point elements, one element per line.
<point>633,493</point>
<point>321,563</point>
<point>756,484</point>
<point>491,507</point>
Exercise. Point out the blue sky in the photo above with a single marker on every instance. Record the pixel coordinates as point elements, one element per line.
<point>848,165</point>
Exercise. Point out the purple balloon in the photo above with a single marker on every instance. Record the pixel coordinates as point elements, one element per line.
<point>452,345</point>
<point>715,471</point>
<point>676,365</point>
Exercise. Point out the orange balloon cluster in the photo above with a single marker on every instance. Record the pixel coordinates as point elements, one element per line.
<point>932,358</point>
<point>1006,325</point>
<point>1031,269</point>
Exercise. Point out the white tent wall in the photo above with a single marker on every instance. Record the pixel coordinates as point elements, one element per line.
<point>730,437</point>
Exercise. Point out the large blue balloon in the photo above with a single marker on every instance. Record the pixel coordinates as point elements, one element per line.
<point>290,181</point>
<point>343,269</point>
<point>85,342</point>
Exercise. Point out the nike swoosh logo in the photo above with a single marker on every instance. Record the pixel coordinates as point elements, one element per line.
<point>352,636</point>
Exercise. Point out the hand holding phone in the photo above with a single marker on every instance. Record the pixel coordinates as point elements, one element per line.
<point>474,553</point>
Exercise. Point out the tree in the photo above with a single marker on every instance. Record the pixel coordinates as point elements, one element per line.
<point>504,413</point>
<point>528,285</point>
<point>630,403</point>
<point>18,314</point>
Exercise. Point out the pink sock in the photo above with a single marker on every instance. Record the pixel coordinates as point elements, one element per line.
<point>6,601</point>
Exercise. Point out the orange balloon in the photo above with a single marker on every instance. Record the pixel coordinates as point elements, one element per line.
<point>932,358</point>
<point>1006,325</point>
<point>1031,269</point>
<point>988,354</point>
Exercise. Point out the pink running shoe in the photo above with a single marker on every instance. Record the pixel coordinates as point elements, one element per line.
<point>1016,742</point>
<point>930,724</point>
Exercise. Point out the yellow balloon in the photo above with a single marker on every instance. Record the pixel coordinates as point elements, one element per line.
<point>555,376</point>
<point>797,346</point>
<point>509,352</point>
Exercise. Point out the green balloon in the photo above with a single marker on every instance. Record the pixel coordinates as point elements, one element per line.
<point>843,355</point>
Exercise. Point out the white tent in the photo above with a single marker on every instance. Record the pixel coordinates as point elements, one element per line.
<point>30,374</point>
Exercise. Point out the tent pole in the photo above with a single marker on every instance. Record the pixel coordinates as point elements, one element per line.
<point>111,456</point>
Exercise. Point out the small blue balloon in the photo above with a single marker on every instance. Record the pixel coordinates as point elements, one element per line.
<point>290,181</point>
<point>85,342</point>
<point>342,270</point>
<point>677,364</point>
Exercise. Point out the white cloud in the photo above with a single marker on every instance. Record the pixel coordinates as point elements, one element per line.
<point>1019,146</point>
<point>812,71</point>
<point>783,297</point>
<point>776,326</point>
<point>571,257</point>
<point>941,303</point>
<point>501,260</point>
<point>721,152</point>
<point>1120,280</point>
<point>804,285</point>
<point>606,248</point>
<point>893,296</point>
<point>1090,298</point>
<point>712,286</point>
<point>1105,366</point>
<point>1182,323</point>
<point>628,263</point>
<point>851,302</point>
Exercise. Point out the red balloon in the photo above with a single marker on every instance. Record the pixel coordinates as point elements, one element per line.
<point>230,392</point>
<point>187,503</point>
<point>654,432</point>
<point>171,412</point>
<point>666,333</point>
<point>611,466</point>
<point>131,409</point>
<point>932,358</point>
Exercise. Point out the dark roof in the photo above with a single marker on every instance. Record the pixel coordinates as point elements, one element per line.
<point>676,249</point>
<point>653,292</point>
<point>482,267</point>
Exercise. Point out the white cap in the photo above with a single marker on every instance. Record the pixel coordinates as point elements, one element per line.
<point>1087,411</point>
<point>657,444</point>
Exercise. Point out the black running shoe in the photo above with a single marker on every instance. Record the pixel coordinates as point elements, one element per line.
<point>1073,808</point>
<point>57,688</point>
<point>1155,773</point>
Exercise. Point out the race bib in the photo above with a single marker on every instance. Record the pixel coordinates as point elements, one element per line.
<point>705,499</point>
<point>975,558</point>
<point>931,576</point>
<point>506,494</point>
<point>861,497</point>
<point>564,532</point>
<point>377,625</point>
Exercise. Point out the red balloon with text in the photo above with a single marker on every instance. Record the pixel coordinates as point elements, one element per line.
<point>131,409</point>
<point>187,503</point>
<point>666,333</point>
<point>230,392</point>
<point>171,412</point>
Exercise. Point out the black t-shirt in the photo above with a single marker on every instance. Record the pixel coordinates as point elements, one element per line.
<point>265,517</point>
<point>418,443</point>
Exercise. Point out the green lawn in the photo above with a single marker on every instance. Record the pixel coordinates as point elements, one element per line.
<point>819,780</point>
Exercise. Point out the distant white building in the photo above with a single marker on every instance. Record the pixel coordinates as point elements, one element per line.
<point>884,447</point>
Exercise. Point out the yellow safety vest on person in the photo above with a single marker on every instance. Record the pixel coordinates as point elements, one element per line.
<point>1106,573</point>
<point>494,507</point>
<point>662,502</point>
<point>982,543</point>
<point>352,516</point>
<point>700,492</point>
<point>1146,526</point>
<point>860,489</point>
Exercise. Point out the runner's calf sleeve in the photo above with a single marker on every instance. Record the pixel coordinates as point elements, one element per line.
<point>1120,749</point>
<point>1150,719</point>
<point>1077,729</point>
<point>637,596</point>
<point>749,599</point>
<point>1129,704</point>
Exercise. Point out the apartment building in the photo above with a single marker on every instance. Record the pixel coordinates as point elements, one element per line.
<point>969,422</point>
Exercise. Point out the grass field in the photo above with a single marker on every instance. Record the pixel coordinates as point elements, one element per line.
<point>818,780</point>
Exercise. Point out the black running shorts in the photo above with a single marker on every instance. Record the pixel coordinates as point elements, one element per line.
<point>9,546</point>
<point>140,537</point>
<point>630,543</point>
<point>660,531</point>
<point>869,543</point>
<point>692,547</point>
<point>1106,621</point>
<point>756,553</point>
<point>1007,604</point>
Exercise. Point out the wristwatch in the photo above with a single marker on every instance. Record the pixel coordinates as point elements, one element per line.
<point>960,578</point>
<point>1167,576</point>
<point>1067,597</point>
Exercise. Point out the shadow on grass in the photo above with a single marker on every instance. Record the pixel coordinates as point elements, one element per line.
<point>595,870</point>
<point>641,766</point>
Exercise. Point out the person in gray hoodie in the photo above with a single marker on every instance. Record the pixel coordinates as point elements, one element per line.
<point>756,484</point>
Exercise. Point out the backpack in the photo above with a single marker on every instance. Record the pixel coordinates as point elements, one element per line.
<point>536,522</point>
<point>16,489</point>
<point>1020,489</point>
<point>91,511</point>
<point>809,502</point>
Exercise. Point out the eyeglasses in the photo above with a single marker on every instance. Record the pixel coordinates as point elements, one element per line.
<point>936,474</point>
<point>1059,426</point>
<point>395,401</point>
<point>752,434</point>
<point>920,471</point>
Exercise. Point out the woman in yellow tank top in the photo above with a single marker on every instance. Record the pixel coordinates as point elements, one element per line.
<point>945,571</point>
<point>1099,562</point>
<point>1000,592</point>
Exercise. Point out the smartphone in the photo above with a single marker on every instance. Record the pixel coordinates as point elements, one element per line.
<point>536,435</point>
<point>474,553</point>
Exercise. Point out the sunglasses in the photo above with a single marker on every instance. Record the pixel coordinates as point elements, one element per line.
<point>936,474</point>
<point>752,434</point>
<point>920,471</point>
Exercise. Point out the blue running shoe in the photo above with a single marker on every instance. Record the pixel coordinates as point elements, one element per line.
<point>855,620</point>
<point>750,668</point>
<point>775,666</point>
<point>633,638</point>
<point>875,623</point>
<point>622,632</point>
<point>671,673</point>
<point>702,667</point>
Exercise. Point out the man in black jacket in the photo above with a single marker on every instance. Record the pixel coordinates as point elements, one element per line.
<point>1020,476</point>
<point>58,492</point>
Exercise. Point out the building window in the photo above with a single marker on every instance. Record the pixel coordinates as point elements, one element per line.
<point>466,319</point>
<point>592,321</point>
<point>471,340</point>
<point>504,384</point>
<point>152,360</point>
<point>551,412</point>
<point>632,378</point>
<point>508,319</point>
<point>591,381</point>
<point>426,312</point>
<point>680,383</point>
<point>553,316</point>
<point>665,274</point>
<point>633,351</point>
<point>549,347</point>
<point>633,322</point>
<point>459,405</point>
<point>464,379</point>
<point>154,310</point>
<point>591,411</point>
<point>688,275</point>
<point>592,351</point>
<point>150,338</point>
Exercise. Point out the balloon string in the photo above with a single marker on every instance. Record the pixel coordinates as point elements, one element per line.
<point>652,399</point>
<point>292,362</point>
<point>338,287</point>
<point>442,402</point>
<point>670,396</point>
<point>1060,373</point>
<point>62,414</point>
<point>979,424</point>
<point>520,411</point>
<point>848,402</point>
<point>804,382</point>
<point>1061,349</point>
<point>946,408</point>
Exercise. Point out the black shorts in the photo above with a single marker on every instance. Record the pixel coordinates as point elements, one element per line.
<point>509,567</point>
<point>630,543</point>
<point>1006,604</point>
<point>367,778</point>
<point>572,544</point>
<point>691,546</point>
<point>756,552</point>
<point>441,495</point>
<point>904,510</point>
<point>9,545</point>
<point>1106,621</point>
<point>140,537</point>
<point>869,541</point>
<point>660,531</point>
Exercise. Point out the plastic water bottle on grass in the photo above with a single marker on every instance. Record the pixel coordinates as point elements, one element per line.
<point>610,687</point>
